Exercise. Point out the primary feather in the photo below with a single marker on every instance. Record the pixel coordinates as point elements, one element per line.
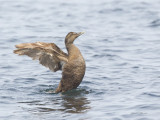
<point>48,54</point>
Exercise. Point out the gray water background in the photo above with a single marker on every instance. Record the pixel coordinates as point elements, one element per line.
<point>121,46</point>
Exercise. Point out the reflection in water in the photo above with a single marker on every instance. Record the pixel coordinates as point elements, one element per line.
<point>70,102</point>
<point>75,102</point>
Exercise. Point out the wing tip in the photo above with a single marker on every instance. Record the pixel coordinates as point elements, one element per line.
<point>19,45</point>
<point>16,46</point>
<point>17,52</point>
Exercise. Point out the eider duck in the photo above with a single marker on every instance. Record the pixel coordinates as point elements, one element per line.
<point>51,56</point>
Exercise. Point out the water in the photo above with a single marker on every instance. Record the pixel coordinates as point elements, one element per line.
<point>121,46</point>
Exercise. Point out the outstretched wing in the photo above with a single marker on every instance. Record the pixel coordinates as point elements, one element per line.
<point>48,54</point>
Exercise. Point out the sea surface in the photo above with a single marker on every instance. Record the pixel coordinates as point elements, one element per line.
<point>121,46</point>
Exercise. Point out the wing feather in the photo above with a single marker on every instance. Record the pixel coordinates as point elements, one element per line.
<point>48,54</point>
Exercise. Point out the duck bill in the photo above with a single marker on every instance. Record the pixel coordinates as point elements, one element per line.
<point>80,33</point>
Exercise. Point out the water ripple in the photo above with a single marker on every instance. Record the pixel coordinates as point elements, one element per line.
<point>121,47</point>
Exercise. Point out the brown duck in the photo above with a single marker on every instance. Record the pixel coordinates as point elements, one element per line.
<point>51,56</point>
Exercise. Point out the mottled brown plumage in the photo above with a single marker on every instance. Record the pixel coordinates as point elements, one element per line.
<point>51,56</point>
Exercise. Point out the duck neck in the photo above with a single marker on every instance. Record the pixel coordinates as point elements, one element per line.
<point>72,50</point>
<point>69,48</point>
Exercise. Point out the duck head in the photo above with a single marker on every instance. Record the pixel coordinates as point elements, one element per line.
<point>71,36</point>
